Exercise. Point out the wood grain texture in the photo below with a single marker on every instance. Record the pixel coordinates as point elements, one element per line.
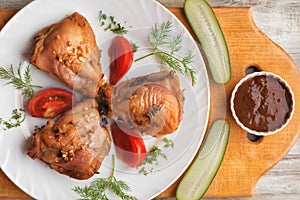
<point>286,167</point>
<point>5,16</point>
<point>280,21</point>
<point>245,162</point>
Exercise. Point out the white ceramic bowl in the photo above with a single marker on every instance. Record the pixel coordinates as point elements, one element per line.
<point>258,103</point>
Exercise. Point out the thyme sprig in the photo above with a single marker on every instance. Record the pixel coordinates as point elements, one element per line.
<point>161,39</point>
<point>96,190</point>
<point>19,81</point>
<point>111,24</point>
<point>15,120</point>
<point>153,156</point>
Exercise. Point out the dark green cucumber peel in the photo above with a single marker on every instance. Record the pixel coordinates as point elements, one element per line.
<point>201,173</point>
<point>206,27</point>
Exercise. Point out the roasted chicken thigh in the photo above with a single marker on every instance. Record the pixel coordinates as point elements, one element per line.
<point>152,104</point>
<point>76,143</point>
<point>68,52</point>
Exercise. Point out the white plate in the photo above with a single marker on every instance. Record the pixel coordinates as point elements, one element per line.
<point>36,178</point>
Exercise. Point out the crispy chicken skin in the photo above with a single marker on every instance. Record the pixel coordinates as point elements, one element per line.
<point>76,143</point>
<point>68,51</point>
<point>153,104</point>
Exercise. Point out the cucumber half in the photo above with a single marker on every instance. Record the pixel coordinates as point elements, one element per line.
<point>207,29</point>
<point>203,170</point>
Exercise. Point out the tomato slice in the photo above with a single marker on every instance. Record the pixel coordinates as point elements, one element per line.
<point>129,144</point>
<point>121,53</point>
<point>50,102</point>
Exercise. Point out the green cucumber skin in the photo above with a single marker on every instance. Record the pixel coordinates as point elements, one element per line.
<point>206,27</point>
<point>203,170</point>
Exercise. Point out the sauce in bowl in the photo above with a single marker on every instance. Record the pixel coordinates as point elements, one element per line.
<point>262,103</point>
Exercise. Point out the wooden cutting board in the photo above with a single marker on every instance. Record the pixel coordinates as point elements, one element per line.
<point>245,161</point>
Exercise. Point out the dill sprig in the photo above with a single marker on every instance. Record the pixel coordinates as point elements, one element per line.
<point>159,35</point>
<point>153,156</point>
<point>151,159</point>
<point>159,40</point>
<point>15,120</point>
<point>168,143</point>
<point>19,81</point>
<point>96,190</point>
<point>111,24</point>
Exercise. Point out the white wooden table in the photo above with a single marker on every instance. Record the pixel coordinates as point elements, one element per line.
<point>280,21</point>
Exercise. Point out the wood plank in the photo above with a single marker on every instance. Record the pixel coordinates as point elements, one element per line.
<point>5,16</point>
<point>8,190</point>
<point>245,162</point>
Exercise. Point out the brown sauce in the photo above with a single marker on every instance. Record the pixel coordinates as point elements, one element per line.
<point>263,103</point>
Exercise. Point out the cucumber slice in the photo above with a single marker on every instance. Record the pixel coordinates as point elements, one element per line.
<point>203,170</point>
<point>206,27</point>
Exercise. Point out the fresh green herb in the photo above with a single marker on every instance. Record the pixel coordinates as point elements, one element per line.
<point>19,81</point>
<point>169,143</point>
<point>15,120</point>
<point>111,24</point>
<point>134,46</point>
<point>102,17</point>
<point>151,159</point>
<point>96,190</point>
<point>153,156</point>
<point>160,39</point>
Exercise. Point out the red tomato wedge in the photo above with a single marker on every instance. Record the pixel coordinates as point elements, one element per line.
<point>130,146</point>
<point>50,102</point>
<point>121,54</point>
